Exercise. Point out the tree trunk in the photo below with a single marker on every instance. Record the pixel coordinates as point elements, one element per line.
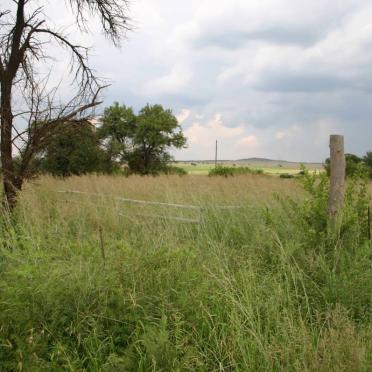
<point>11,182</point>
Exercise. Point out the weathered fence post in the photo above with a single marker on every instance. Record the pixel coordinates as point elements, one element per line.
<point>337,186</point>
<point>369,223</point>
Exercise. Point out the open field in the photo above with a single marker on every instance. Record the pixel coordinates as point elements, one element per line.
<point>229,277</point>
<point>268,166</point>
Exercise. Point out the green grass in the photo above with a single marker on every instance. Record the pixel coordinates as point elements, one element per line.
<point>255,288</point>
<point>199,168</point>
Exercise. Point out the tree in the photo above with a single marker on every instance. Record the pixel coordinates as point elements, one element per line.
<point>117,131</point>
<point>354,165</point>
<point>157,130</point>
<point>25,34</point>
<point>142,140</point>
<point>368,159</point>
<point>74,151</point>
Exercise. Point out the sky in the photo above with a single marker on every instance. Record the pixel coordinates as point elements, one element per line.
<point>266,78</point>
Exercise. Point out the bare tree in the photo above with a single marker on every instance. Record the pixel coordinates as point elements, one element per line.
<point>24,39</point>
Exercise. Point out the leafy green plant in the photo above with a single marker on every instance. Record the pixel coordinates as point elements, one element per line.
<point>225,171</point>
<point>329,260</point>
<point>312,214</point>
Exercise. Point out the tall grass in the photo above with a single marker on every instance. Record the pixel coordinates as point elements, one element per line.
<point>259,287</point>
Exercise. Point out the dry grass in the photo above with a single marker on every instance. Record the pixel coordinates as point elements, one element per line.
<point>187,189</point>
<point>244,290</point>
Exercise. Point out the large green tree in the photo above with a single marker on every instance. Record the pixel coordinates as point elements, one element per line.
<point>74,151</point>
<point>143,140</point>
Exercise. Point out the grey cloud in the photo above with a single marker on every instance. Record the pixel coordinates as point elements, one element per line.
<point>234,39</point>
<point>303,82</point>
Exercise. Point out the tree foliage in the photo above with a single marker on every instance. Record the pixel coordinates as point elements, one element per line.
<point>74,151</point>
<point>142,141</point>
<point>117,130</point>
<point>368,159</point>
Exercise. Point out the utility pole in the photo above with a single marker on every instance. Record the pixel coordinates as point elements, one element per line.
<point>215,157</point>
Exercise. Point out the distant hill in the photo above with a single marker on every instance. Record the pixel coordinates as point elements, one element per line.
<point>260,162</point>
<point>277,163</point>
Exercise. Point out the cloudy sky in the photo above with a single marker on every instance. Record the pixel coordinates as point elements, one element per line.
<point>266,78</point>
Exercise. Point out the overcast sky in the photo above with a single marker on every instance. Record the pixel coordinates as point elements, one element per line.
<point>266,78</point>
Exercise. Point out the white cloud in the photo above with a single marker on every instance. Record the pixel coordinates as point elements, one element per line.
<point>249,141</point>
<point>183,115</point>
<point>177,79</point>
<point>288,133</point>
<point>214,129</point>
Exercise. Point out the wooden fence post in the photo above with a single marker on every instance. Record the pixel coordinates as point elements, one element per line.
<point>369,223</point>
<point>338,168</point>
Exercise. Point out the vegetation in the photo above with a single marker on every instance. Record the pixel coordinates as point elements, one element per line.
<point>74,151</point>
<point>143,141</point>
<point>225,171</point>
<point>286,175</point>
<point>90,282</point>
<point>355,166</point>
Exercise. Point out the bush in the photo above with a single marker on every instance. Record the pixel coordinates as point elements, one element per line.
<point>221,171</point>
<point>247,170</point>
<point>333,261</point>
<point>224,171</point>
<point>286,175</point>
<point>172,170</point>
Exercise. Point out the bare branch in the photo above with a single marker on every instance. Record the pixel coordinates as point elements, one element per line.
<point>24,37</point>
<point>79,53</point>
<point>112,13</point>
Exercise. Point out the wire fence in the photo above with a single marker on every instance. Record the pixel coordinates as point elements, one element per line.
<point>181,219</point>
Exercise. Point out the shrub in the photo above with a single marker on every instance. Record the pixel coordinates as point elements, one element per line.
<point>286,175</point>
<point>224,171</point>
<point>247,170</point>
<point>172,170</point>
<point>333,263</point>
<point>220,170</point>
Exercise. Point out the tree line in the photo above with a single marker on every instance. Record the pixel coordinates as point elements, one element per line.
<point>122,142</point>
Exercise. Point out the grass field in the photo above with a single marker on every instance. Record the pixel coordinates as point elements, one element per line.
<point>202,168</point>
<point>90,281</point>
